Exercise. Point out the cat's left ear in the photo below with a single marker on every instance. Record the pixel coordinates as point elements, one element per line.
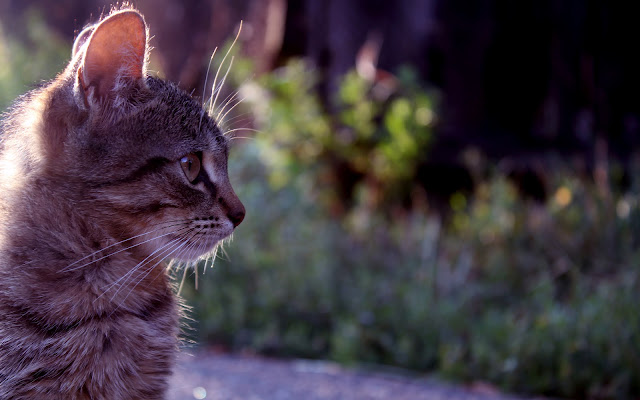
<point>116,50</point>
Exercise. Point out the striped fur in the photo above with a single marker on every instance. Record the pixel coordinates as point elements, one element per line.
<point>94,198</point>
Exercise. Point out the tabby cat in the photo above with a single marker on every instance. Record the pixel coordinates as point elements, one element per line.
<point>104,173</point>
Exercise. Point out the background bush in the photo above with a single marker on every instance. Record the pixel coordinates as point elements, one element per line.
<point>539,298</point>
<point>40,56</point>
<point>535,297</point>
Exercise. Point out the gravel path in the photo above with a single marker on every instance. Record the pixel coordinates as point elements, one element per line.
<point>214,376</point>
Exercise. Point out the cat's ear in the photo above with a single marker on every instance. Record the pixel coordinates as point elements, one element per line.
<point>116,50</point>
<point>81,39</point>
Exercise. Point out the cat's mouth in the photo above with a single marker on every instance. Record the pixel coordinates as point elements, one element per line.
<point>200,238</point>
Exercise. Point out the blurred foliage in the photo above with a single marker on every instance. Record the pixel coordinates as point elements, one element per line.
<point>534,297</point>
<point>36,56</point>
<point>373,139</point>
<point>537,298</point>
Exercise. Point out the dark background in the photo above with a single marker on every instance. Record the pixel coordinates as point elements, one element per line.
<point>517,78</point>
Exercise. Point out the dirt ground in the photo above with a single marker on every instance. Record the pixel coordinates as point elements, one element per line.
<point>214,376</point>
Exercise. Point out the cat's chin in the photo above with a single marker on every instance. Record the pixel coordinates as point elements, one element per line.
<point>205,247</point>
<point>195,256</point>
<point>184,247</point>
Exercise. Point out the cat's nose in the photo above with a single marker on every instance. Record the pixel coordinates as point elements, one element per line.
<point>236,215</point>
<point>233,206</point>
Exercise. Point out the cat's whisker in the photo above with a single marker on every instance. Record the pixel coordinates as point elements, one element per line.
<point>67,269</point>
<point>212,256</point>
<point>176,259</point>
<point>201,247</point>
<point>186,250</point>
<point>197,262</point>
<point>193,245</point>
<point>184,277</point>
<point>224,103</point>
<point>150,256</point>
<point>214,88</point>
<point>230,100</point>
<point>204,90</point>
<point>242,137</point>
<point>196,277</point>
<point>219,89</point>
<point>229,110</point>
<point>180,243</point>
<point>215,79</point>
<point>132,270</point>
<point>240,130</point>
<point>209,258</point>
<point>227,101</point>
<point>161,253</point>
<point>246,116</point>
<point>184,264</point>
<point>204,268</point>
<point>166,254</point>
<point>187,264</point>
<point>239,120</point>
<point>206,257</point>
<point>120,250</point>
<point>170,265</point>
<point>167,224</point>
<point>206,77</point>
<point>224,251</point>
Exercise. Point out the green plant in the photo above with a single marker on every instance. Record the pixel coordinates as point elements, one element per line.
<point>37,56</point>
<point>367,141</point>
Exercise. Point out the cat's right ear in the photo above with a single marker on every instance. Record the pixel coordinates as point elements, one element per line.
<point>81,39</point>
<point>116,51</point>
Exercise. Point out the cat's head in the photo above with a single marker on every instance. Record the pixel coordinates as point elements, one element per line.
<point>137,152</point>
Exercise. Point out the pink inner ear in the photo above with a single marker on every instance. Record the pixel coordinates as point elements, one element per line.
<point>116,49</point>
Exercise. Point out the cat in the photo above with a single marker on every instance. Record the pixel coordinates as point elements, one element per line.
<point>105,172</point>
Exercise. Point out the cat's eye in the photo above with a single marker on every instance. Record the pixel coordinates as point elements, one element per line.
<point>191,166</point>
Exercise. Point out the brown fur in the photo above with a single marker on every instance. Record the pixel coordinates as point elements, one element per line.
<point>93,199</point>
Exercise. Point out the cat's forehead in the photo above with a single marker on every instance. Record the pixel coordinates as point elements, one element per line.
<point>176,119</point>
